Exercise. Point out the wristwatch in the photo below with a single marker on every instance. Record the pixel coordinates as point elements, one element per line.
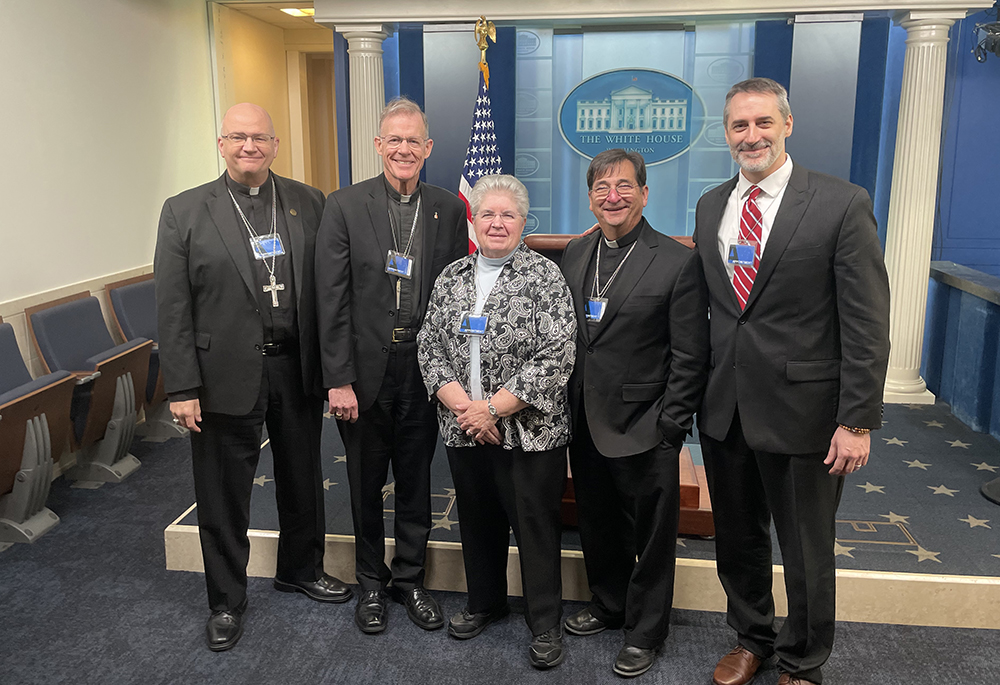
<point>489,405</point>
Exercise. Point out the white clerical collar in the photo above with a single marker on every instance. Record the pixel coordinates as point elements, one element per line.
<point>771,185</point>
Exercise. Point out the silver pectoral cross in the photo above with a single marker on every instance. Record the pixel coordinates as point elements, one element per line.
<point>273,288</point>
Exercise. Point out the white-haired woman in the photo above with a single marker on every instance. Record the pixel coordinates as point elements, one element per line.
<point>496,350</point>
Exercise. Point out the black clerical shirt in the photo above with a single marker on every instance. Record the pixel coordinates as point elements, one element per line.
<point>279,322</point>
<point>611,259</point>
<point>401,212</point>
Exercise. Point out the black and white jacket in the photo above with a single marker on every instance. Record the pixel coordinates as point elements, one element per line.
<point>529,347</point>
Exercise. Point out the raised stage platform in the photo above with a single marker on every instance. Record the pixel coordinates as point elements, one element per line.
<point>916,542</point>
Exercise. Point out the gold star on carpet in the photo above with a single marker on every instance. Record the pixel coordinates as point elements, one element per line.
<point>389,488</point>
<point>923,555</point>
<point>995,555</point>
<point>917,464</point>
<point>959,443</point>
<point>942,490</point>
<point>260,480</point>
<point>895,441</point>
<point>884,422</point>
<point>985,467</point>
<point>444,522</point>
<point>681,542</point>
<point>339,458</point>
<point>327,483</point>
<point>840,550</point>
<point>918,407</point>
<point>976,523</point>
<point>869,488</point>
<point>895,518</point>
<point>934,424</point>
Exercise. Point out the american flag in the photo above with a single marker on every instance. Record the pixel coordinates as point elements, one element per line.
<point>483,155</point>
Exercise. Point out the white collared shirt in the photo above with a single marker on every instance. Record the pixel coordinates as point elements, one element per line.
<point>772,189</point>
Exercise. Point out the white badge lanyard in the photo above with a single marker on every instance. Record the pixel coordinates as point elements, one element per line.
<point>397,263</point>
<point>597,303</point>
<point>264,246</point>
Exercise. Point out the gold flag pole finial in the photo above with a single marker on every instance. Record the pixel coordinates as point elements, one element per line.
<point>485,29</point>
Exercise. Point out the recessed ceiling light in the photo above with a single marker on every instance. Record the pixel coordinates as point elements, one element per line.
<point>304,12</point>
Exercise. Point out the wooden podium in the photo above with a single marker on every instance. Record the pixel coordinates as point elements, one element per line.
<point>696,508</point>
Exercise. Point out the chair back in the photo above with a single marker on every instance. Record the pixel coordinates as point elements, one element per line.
<point>134,307</point>
<point>68,334</point>
<point>13,372</point>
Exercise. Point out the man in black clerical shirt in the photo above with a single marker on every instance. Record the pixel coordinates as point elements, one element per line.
<point>641,365</point>
<point>238,348</point>
<point>381,244</point>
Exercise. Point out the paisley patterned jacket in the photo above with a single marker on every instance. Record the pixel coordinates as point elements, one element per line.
<point>529,347</point>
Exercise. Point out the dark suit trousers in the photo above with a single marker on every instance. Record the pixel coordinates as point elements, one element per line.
<point>628,507</point>
<point>225,456</point>
<point>497,490</point>
<point>400,428</point>
<point>748,488</point>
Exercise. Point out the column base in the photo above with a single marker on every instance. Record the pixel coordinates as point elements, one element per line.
<point>894,396</point>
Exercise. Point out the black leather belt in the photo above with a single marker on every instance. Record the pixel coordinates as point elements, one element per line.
<point>278,349</point>
<point>404,334</point>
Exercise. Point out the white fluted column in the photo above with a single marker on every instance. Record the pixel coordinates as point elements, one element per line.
<point>364,45</point>
<point>913,198</point>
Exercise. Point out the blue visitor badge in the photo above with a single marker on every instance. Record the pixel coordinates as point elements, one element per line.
<point>473,325</point>
<point>741,253</point>
<point>398,264</point>
<point>595,308</point>
<point>265,246</point>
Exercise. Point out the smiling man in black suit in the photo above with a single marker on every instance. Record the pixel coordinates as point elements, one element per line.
<point>800,346</point>
<point>382,242</point>
<point>236,313</point>
<point>641,365</point>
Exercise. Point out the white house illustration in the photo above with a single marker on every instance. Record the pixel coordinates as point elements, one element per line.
<point>631,109</point>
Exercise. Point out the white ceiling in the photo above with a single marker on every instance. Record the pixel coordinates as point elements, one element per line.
<point>270,13</point>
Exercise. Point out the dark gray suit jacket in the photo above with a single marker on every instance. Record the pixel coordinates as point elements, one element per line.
<point>641,371</point>
<point>356,297</point>
<point>209,325</point>
<point>811,349</point>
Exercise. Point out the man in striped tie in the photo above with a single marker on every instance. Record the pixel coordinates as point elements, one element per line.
<point>800,344</point>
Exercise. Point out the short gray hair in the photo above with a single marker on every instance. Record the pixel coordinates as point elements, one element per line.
<point>499,183</point>
<point>759,85</point>
<point>402,105</point>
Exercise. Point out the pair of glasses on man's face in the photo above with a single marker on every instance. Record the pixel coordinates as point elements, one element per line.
<point>602,190</point>
<point>260,139</point>
<point>393,142</point>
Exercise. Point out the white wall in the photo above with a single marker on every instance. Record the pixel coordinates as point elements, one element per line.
<point>106,109</point>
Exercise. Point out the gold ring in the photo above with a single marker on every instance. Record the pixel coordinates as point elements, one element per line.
<point>339,415</point>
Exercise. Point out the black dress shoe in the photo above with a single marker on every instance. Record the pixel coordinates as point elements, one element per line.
<point>467,625</point>
<point>420,607</point>
<point>225,628</point>
<point>633,661</point>
<point>546,649</point>
<point>585,623</point>
<point>326,589</point>
<point>370,614</point>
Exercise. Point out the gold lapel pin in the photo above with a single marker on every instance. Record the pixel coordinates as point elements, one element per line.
<point>435,215</point>
<point>293,212</point>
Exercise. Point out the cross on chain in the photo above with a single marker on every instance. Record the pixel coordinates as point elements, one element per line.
<point>273,288</point>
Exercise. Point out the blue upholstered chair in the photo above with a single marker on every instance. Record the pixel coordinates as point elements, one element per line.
<point>133,310</point>
<point>70,335</point>
<point>34,421</point>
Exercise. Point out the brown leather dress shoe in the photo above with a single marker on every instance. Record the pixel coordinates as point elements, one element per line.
<point>736,668</point>
<point>789,679</point>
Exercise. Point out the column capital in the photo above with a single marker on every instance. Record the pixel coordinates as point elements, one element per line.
<point>349,31</point>
<point>943,18</point>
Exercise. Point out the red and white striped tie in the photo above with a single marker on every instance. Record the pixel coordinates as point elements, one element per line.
<point>750,231</point>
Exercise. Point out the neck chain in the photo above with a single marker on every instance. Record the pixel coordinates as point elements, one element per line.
<point>596,290</point>
<point>250,228</point>
<point>413,229</point>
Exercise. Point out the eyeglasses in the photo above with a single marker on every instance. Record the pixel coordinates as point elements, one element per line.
<point>259,139</point>
<point>602,190</point>
<point>393,142</point>
<point>506,218</point>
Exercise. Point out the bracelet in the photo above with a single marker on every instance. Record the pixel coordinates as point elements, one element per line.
<point>855,430</point>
